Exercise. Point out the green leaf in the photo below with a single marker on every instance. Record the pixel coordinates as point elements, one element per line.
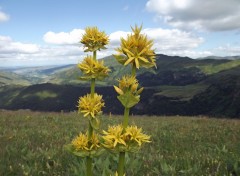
<point>71,150</point>
<point>95,123</point>
<point>128,100</point>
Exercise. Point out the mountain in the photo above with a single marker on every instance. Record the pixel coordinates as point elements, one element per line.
<point>9,78</point>
<point>178,86</point>
<point>219,57</point>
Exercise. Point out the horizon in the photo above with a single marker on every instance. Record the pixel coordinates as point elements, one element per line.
<point>35,33</point>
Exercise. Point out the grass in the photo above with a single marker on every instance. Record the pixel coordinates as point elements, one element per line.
<point>42,95</point>
<point>31,143</point>
<point>211,69</point>
<point>184,93</point>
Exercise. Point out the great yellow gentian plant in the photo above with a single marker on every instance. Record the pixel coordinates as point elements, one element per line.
<point>90,106</point>
<point>137,51</point>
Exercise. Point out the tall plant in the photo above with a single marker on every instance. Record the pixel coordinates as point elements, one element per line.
<point>137,51</point>
<point>90,106</point>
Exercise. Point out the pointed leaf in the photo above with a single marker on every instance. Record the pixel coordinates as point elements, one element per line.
<point>128,100</point>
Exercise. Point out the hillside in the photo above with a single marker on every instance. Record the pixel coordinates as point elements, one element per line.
<point>10,78</point>
<point>179,86</point>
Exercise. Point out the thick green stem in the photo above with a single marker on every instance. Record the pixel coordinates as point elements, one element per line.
<point>90,128</point>
<point>92,87</point>
<point>90,131</point>
<point>121,162</point>
<point>89,166</point>
<point>126,117</point>
<point>94,55</point>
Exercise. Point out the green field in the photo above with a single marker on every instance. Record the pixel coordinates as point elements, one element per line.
<point>31,143</point>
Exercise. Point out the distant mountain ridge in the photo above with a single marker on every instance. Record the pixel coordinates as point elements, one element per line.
<point>179,85</point>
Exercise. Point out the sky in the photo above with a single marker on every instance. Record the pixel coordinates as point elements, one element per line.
<point>47,32</point>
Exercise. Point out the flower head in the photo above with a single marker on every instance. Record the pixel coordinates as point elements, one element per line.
<point>81,142</point>
<point>133,133</point>
<point>117,139</point>
<point>90,106</point>
<point>93,68</point>
<point>113,136</point>
<point>138,50</point>
<point>94,40</point>
<point>128,83</point>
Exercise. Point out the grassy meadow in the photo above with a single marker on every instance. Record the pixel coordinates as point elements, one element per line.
<point>31,143</point>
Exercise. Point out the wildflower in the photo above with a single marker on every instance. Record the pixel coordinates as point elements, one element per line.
<point>117,139</point>
<point>127,90</point>
<point>137,49</point>
<point>128,83</point>
<point>81,142</point>
<point>94,40</point>
<point>90,106</point>
<point>135,134</point>
<point>93,68</point>
<point>113,136</point>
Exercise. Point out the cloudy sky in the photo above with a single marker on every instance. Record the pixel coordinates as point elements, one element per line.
<point>47,32</point>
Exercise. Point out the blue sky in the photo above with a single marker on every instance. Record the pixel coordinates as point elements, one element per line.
<point>46,32</point>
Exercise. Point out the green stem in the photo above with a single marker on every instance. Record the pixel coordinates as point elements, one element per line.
<point>90,128</point>
<point>121,162</point>
<point>90,131</point>
<point>89,166</point>
<point>92,87</point>
<point>94,55</point>
<point>126,117</point>
<point>134,69</point>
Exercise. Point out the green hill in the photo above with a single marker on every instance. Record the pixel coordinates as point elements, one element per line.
<point>179,85</point>
<point>9,78</point>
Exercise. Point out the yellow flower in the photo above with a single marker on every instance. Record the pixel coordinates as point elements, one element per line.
<point>113,136</point>
<point>81,142</point>
<point>117,139</point>
<point>93,68</point>
<point>94,40</point>
<point>135,134</point>
<point>128,83</point>
<point>90,106</point>
<point>138,50</point>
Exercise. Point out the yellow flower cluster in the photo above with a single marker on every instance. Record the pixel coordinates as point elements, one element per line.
<point>93,68</point>
<point>91,106</point>
<point>119,140</point>
<point>81,142</point>
<point>128,83</point>
<point>94,40</point>
<point>138,50</point>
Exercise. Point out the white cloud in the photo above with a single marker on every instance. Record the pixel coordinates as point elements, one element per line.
<point>115,38</point>
<point>228,50</point>
<point>213,15</point>
<point>17,53</point>
<point>7,45</point>
<point>4,17</point>
<point>65,51</point>
<point>166,41</point>
<point>62,38</point>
